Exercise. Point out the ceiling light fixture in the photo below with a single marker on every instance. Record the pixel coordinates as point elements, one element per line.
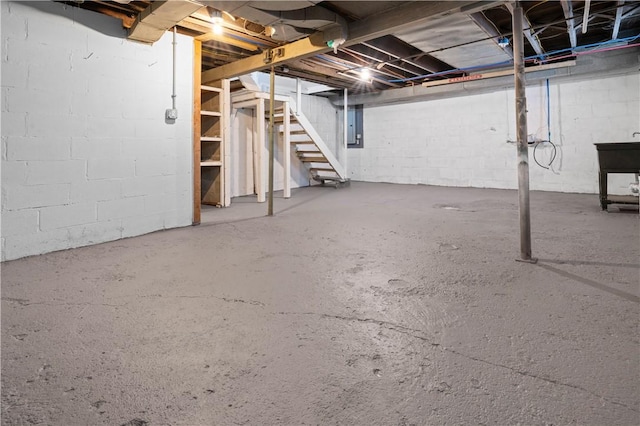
<point>365,74</point>
<point>216,21</point>
<point>503,42</point>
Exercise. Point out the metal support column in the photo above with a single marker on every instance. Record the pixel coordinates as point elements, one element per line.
<point>521,123</point>
<point>272,144</point>
<point>345,132</point>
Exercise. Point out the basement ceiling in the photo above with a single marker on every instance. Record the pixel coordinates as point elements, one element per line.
<point>460,41</point>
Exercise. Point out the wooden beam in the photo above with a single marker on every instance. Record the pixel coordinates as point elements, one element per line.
<point>197,188</point>
<point>411,14</point>
<point>616,24</point>
<point>488,27</point>
<point>567,8</point>
<point>222,38</point>
<point>585,18</point>
<point>156,19</point>
<point>528,33</point>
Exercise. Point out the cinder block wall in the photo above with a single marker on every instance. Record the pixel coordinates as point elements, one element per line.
<point>87,156</point>
<point>462,141</point>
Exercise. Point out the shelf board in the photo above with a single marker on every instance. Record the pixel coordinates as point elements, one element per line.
<point>210,163</point>
<point>210,89</point>
<point>211,113</point>
<point>210,139</point>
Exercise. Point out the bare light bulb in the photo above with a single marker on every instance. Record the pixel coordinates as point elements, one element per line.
<point>365,74</point>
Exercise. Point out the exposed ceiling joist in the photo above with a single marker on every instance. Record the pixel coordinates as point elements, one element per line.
<point>375,26</point>
<point>616,24</point>
<point>409,54</point>
<point>528,33</point>
<point>567,8</point>
<point>158,17</point>
<point>585,18</point>
<point>491,30</point>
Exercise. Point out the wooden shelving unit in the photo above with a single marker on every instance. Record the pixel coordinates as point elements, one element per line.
<point>211,145</point>
<point>211,139</point>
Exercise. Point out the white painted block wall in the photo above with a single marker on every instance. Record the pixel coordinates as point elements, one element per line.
<point>461,141</point>
<point>86,154</point>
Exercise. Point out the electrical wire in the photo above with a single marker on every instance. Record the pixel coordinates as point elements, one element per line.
<point>555,149</point>
<point>553,154</point>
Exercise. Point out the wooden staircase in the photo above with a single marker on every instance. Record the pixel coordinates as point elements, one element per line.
<point>310,148</point>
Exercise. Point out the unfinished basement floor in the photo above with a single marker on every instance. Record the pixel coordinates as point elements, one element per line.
<point>374,304</point>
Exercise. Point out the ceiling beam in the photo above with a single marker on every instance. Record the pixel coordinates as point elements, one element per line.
<point>404,52</point>
<point>489,27</point>
<point>567,8</point>
<point>616,24</point>
<point>532,38</point>
<point>155,20</point>
<point>585,18</point>
<point>413,13</point>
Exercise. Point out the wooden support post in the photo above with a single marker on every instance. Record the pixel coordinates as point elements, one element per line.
<point>298,96</point>
<point>197,72</point>
<point>272,143</point>
<point>226,143</point>
<point>286,137</point>
<point>258,152</point>
<point>521,123</point>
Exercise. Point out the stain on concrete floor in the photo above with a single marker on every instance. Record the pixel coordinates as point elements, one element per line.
<point>368,305</point>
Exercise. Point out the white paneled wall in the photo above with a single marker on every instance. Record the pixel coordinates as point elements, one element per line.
<point>462,141</point>
<point>87,155</point>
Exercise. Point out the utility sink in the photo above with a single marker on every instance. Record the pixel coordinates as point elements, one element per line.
<point>617,157</point>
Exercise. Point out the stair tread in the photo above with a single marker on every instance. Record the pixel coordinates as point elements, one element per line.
<point>323,169</point>
<point>313,160</point>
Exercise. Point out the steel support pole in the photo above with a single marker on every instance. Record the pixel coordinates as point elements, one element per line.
<point>271,139</point>
<point>522,146</point>
<point>345,131</point>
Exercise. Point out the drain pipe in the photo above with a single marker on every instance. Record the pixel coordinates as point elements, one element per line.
<point>523,146</point>
<point>172,114</point>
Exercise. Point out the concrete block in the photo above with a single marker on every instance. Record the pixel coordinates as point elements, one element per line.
<point>157,204</point>
<point>155,166</point>
<point>16,197</point>
<point>96,148</point>
<point>147,185</point>
<point>14,124</point>
<point>13,23</point>
<point>121,208</point>
<point>14,74</point>
<point>94,233</point>
<point>19,222</point>
<point>42,149</point>
<point>102,168</point>
<point>14,172</point>
<point>96,190</point>
<point>18,246</point>
<point>141,147</point>
<point>58,123</point>
<point>38,101</point>
<point>140,225</point>
<point>66,216</point>
<point>48,172</point>
<point>99,127</point>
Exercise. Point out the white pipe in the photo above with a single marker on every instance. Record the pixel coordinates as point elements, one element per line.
<point>173,95</point>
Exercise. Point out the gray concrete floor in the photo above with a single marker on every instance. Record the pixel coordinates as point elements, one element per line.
<point>374,304</point>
